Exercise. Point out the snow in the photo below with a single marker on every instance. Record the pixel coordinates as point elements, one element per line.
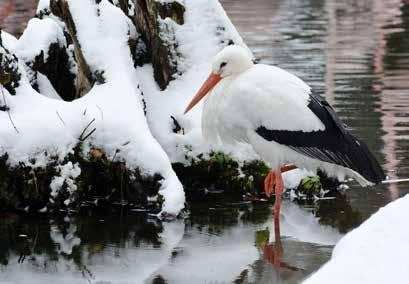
<point>37,37</point>
<point>43,5</point>
<point>8,40</point>
<point>46,88</point>
<point>68,173</point>
<point>375,252</point>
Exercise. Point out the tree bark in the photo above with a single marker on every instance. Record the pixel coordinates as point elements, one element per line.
<point>161,52</point>
<point>57,70</point>
<point>85,79</point>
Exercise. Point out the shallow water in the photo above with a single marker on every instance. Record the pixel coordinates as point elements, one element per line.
<point>355,53</point>
<point>217,245</point>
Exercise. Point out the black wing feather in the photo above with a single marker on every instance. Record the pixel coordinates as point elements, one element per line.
<point>334,145</point>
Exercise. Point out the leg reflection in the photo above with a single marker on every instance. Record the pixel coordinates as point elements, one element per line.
<point>277,206</point>
<point>277,248</point>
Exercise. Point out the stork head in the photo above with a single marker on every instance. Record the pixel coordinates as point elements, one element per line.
<point>232,60</point>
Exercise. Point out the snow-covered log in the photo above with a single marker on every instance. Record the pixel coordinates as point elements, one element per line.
<point>57,138</point>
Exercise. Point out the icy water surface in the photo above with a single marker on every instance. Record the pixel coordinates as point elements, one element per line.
<point>355,53</point>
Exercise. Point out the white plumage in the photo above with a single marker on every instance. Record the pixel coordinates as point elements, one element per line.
<point>275,112</point>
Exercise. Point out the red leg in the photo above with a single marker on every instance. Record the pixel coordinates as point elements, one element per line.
<point>277,205</point>
<point>270,180</point>
<point>269,183</point>
<point>273,183</point>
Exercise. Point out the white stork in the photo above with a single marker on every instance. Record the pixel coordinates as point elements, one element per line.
<point>277,114</point>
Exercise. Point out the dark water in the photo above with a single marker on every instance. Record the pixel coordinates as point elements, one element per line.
<point>356,53</point>
<point>214,244</point>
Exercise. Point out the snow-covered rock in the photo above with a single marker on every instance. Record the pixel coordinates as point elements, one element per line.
<point>375,252</point>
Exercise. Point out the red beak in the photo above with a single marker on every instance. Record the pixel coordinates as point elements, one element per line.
<point>210,82</point>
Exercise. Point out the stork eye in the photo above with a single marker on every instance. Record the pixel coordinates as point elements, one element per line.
<point>223,64</point>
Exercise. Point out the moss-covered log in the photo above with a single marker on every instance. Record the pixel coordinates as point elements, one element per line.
<point>101,182</point>
<point>220,175</point>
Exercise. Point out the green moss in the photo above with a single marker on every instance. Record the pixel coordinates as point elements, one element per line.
<point>9,71</point>
<point>220,173</point>
<point>262,237</point>
<point>309,186</point>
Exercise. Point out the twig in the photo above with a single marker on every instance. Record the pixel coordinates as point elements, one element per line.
<point>59,116</point>
<point>126,143</point>
<point>35,241</point>
<point>113,158</point>
<point>85,129</point>
<point>89,134</point>
<point>8,110</point>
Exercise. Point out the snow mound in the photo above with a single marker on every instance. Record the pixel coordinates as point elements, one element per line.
<point>37,38</point>
<point>375,252</point>
<point>8,40</point>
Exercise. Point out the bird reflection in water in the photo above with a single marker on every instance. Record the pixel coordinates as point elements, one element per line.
<point>272,252</point>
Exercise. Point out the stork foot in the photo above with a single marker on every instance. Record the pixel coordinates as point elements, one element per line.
<point>269,183</point>
<point>270,180</point>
